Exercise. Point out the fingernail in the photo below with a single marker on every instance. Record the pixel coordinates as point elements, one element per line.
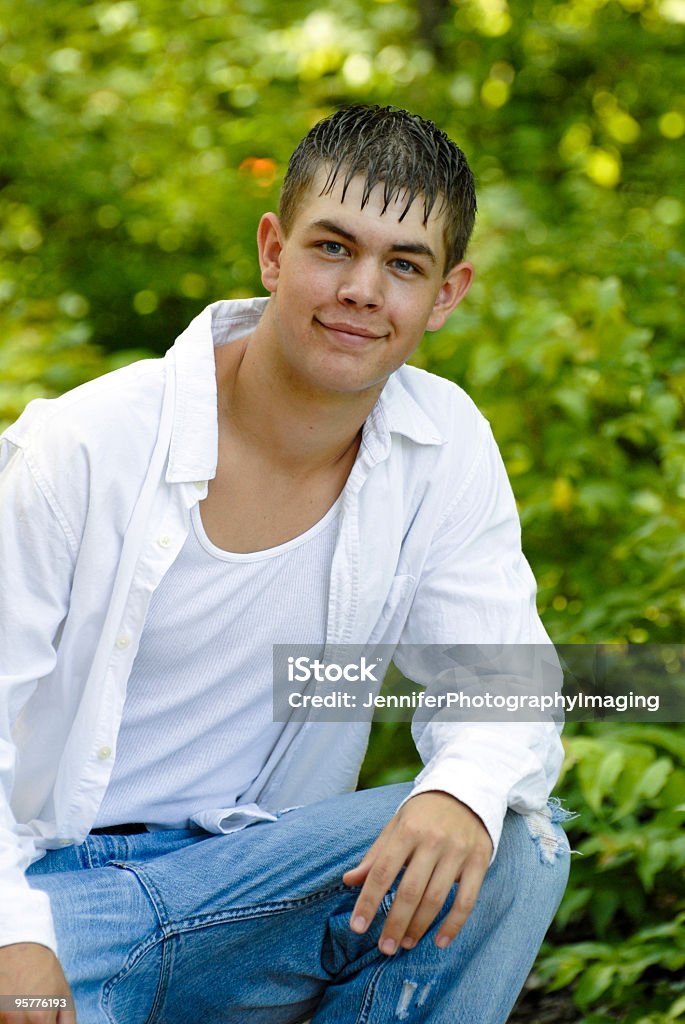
<point>408,943</point>
<point>388,946</point>
<point>358,923</point>
<point>443,941</point>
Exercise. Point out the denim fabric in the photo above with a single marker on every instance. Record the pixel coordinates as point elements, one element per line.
<point>168,927</point>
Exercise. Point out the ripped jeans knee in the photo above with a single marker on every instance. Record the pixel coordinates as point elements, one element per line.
<point>543,828</point>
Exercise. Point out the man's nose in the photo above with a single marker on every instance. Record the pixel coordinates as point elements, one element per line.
<point>362,286</point>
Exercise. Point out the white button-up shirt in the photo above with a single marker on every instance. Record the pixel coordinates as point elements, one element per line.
<point>96,489</point>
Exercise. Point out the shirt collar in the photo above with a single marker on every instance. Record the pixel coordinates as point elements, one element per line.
<point>194,438</point>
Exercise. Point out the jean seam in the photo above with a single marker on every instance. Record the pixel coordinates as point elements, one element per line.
<point>370,988</point>
<point>150,887</point>
<point>369,993</point>
<point>133,959</point>
<point>164,975</point>
<point>139,951</point>
<point>155,897</point>
<point>86,854</point>
<point>198,921</point>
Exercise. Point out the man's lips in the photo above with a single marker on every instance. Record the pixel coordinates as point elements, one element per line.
<point>352,330</point>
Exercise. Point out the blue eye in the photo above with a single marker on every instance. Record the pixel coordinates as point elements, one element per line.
<point>333,248</point>
<point>405,266</point>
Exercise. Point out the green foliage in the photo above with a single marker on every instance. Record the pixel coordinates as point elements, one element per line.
<point>626,904</point>
<point>139,143</point>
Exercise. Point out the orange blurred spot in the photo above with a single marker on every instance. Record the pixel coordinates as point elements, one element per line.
<point>261,168</point>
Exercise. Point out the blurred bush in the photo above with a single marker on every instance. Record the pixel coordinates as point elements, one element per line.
<point>626,904</point>
<point>139,143</point>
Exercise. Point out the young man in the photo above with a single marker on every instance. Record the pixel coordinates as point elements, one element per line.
<point>279,477</point>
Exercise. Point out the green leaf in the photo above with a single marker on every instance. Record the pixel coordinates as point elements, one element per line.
<point>594,982</point>
<point>598,779</point>
<point>655,777</point>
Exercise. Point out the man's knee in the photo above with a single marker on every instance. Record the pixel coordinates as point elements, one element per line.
<point>530,872</point>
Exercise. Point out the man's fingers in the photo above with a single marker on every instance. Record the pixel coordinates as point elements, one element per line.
<point>357,874</point>
<point>437,840</point>
<point>469,886</point>
<point>38,1017</point>
<point>437,891</point>
<point>415,890</point>
<point>33,970</point>
<point>380,877</point>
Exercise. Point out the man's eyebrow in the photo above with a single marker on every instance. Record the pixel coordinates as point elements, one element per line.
<point>330,225</point>
<point>415,248</point>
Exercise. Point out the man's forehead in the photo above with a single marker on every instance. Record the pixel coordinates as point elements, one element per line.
<point>352,200</point>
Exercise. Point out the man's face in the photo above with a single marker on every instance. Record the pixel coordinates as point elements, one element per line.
<point>353,289</point>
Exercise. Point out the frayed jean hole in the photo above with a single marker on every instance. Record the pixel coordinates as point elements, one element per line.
<point>543,831</point>
<point>423,994</point>
<point>557,812</point>
<point>406,996</point>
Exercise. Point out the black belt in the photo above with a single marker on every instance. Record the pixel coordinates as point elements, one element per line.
<point>119,830</point>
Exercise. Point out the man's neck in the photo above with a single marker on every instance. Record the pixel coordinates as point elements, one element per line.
<point>297,429</point>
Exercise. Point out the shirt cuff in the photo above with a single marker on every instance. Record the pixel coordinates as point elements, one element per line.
<point>25,916</point>
<point>476,792</point>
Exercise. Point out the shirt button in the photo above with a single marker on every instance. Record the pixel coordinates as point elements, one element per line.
<point>104,753</point>
<point>199,485</point>
<point>123,642</point>
<point>165,541</point>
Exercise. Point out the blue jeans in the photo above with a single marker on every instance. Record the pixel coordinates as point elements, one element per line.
<point>170,927</point>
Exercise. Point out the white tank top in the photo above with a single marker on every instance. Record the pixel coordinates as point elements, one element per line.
<point>197,725</point>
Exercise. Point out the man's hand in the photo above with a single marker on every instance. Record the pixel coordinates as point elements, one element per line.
<point>440,840</point>
<point>29,969</point>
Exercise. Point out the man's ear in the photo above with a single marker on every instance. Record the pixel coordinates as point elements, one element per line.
<point>270,239</point>
<point>452,291</point>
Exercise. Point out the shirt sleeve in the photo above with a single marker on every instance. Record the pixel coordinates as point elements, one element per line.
<point>476,588</point>
<point>36,555</point>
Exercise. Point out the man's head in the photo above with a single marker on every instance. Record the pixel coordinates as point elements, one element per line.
<point>366,255</point>
<point>412,158</point>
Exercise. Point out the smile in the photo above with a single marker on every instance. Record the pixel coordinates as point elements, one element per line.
<point>350,333</point>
